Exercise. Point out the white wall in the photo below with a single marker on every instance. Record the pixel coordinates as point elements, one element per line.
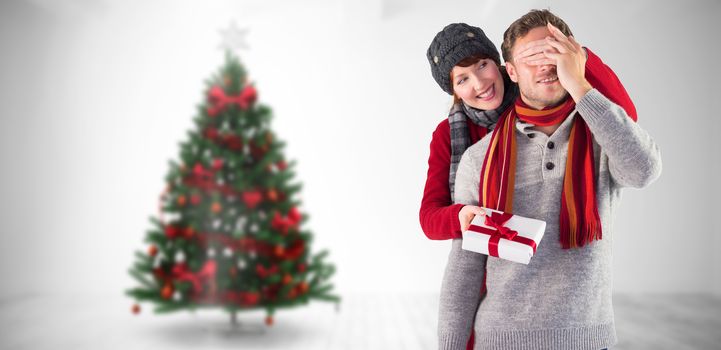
<point>96,95</point>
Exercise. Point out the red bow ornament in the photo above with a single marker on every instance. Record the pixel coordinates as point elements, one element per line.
<point>285,223</point>
<point>252,198</point>
<point>219,100</point>
<point>203,174</point>
<point>206,274</point>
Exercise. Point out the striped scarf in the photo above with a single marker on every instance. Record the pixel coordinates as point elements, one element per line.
<point>579,222</point>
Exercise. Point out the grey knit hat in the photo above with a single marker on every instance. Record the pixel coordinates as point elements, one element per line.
<point>454,43</point>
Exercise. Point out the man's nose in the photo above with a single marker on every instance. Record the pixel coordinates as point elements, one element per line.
<point>545,67</point>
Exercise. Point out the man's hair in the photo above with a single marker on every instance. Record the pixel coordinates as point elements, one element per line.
<point>523,25</point>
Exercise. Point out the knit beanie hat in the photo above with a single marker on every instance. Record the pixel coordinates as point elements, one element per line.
<point>454,43</point>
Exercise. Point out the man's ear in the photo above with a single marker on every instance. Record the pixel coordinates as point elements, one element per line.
<point>511,70</point>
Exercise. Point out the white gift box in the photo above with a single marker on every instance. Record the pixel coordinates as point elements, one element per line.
<point>486,239</point>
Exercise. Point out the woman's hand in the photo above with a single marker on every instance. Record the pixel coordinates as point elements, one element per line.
<point>467,213</point>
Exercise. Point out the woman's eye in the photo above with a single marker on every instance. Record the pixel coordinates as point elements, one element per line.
<point>482,65</point>
<point>461,81</point>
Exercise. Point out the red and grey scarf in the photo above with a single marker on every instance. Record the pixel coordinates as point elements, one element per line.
<point>579,222</point>
<point>460,136</point>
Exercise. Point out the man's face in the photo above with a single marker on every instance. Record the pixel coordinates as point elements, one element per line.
<point>539,85</point>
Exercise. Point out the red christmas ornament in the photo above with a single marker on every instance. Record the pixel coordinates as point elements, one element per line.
<point>233,142</point>
<point>136,309</point>
<point>188,232</point>
<point>198,169</point>
<point>260,270</point>
<point>282,165</point>
<point>258,151</point>
<point>195,199</point>
<point>152,250</point>
<point>181,200</point>
<point>252,198</point>
<point>287,279</point>
<point>250,94</point>
<point>217,163</point>
<point>272,195</point>
<point>301,267</point>
<point>167,291</point>
<point>211,133</point>
<point>295,250</point>
<point>252,298</point>
<point>269,320</point>
<point>294,215</point>
<point>279,250</point>
<point>216,207</point>
<point>303,287</point>
<point>171,231</point>
<point>278,223</point>
<point>271,292</point>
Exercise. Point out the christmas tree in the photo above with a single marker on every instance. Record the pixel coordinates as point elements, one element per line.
<point>229,230</point>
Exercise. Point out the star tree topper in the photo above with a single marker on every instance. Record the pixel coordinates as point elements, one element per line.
<point>233,37</point>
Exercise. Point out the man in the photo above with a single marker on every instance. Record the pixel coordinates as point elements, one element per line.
<point>562,155</point>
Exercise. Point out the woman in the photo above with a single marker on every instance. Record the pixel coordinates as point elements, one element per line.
<point>466,65</point>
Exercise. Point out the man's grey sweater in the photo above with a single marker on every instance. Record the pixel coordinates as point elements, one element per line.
<point>562,298</point>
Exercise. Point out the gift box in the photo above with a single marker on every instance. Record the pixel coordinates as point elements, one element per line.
<point>506,236</point>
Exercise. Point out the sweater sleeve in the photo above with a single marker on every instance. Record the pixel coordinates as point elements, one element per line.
<point>634,159</point>
<point>463,277</point>
<point>438,216</point>
<point>601,77</point>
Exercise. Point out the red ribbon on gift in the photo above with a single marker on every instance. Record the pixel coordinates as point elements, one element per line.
<point>497,230</point>
<point>219,100</point>
<point>205,274</point>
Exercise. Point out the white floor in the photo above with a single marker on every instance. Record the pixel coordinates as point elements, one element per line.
<point>361,322</point>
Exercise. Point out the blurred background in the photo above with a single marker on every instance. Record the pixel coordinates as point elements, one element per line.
<point>95,97</point>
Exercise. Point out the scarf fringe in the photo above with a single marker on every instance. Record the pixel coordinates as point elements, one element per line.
<point>574,239</point>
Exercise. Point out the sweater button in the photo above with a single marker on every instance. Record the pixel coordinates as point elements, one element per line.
<point>551,145</point>
<point>550,166</point>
